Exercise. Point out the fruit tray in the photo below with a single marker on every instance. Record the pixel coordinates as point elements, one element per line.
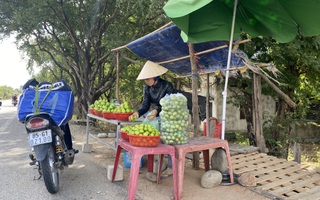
<point>108,115</point>
<point>144,141</point>
<point>98,113</point>
<point>91,110</point>
<point>124,135</point>
<point>122,116</point>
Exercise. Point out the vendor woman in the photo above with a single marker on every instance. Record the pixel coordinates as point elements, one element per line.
<point>153,91</point>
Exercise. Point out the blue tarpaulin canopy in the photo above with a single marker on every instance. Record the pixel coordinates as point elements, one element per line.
<point>166,46</point>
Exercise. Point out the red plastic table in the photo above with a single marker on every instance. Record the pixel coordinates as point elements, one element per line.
<point>202,143</point>
<point>136,155</point>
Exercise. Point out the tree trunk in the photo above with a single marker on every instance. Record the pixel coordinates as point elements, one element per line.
<point>257,113</point>
<point>283,108</point>
<point>195,108</point>
<point>248,114</point>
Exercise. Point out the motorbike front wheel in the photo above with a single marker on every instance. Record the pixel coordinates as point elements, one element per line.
<point>50,172</point>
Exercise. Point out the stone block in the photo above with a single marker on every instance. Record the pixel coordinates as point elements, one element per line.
<point>119,174</point>
<point>86,148</point>
<point>112,135</point>
<point>211,178</point>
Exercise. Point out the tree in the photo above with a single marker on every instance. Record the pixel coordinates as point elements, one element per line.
<point>72,39</point>
<point>7,92</point>
<point>298,62</point>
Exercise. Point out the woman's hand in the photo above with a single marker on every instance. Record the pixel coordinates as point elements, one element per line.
<point>152,115</point>
<point>133,117</point>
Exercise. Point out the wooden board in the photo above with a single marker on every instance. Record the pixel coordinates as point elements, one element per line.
<point>279,177</point>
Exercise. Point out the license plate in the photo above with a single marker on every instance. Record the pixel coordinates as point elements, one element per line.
<point>40,137</point>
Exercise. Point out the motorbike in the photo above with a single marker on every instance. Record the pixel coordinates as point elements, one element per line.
<point>49,151</point>
<point>14,102</point>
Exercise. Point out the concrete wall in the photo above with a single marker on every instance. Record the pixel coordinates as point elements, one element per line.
<point>307,133</point>
<point>233,121</point>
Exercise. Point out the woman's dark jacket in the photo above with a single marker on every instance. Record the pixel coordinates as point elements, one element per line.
<point>153,94</point>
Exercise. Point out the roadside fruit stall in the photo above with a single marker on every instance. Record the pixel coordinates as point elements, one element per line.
<point>166,48</point>
<point>143,139</point>
<point>109,112</point>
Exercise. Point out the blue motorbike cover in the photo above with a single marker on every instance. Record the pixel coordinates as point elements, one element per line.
<point>55,99</point>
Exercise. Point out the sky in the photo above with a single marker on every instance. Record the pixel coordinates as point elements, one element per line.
<point>13,70</point>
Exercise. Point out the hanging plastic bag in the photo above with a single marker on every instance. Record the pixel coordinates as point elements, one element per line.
<point>154,123</point>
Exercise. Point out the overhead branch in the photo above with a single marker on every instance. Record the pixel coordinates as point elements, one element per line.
<point>256,68</point>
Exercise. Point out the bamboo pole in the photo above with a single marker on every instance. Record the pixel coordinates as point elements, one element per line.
<point>124,46</point>
<point>203,52</point>
<point>131,60</point>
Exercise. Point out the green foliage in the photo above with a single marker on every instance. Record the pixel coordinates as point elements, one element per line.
<point>72,39</point>
<point>131,90</point>
<point>277,134</point>
<point>299,64</point>
<point>7,92</point>
<point>242,139</point>
<point>310,153</point>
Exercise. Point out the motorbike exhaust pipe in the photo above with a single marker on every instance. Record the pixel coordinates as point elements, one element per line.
<point>69,157</point>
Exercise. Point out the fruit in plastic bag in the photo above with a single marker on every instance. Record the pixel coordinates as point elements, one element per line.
<point>181,114</point>
<point>180,137</point>
<point>174,119</point>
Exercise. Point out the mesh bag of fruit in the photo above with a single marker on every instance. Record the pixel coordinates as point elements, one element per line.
<point>173,102</point>
<point>174,119</point>
<point>180,137</point>
<point>174,125</point>
<point>174,115</point>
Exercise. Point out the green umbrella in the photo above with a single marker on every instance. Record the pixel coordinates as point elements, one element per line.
<point>210,20</point>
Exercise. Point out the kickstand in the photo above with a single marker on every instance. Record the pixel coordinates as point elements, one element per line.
<point>40,174</point>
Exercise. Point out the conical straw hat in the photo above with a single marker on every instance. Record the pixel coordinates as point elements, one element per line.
<point>150,70</point>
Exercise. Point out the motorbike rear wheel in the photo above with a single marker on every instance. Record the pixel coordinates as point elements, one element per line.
<point>50,172</point>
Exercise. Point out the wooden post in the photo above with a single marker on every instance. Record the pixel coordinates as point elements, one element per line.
<point>257,113</point>
<point>117,79</point>
<point>297,152</point>
<point>195,107</point>
<point>209,130</point>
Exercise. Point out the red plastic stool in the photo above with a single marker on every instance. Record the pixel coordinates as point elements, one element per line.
<point>202,143</point>
<point>136,155</point>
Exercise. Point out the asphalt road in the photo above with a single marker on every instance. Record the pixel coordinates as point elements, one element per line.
<point>83,180</point>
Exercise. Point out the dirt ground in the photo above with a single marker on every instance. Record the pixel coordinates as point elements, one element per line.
<point>103,156</point>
